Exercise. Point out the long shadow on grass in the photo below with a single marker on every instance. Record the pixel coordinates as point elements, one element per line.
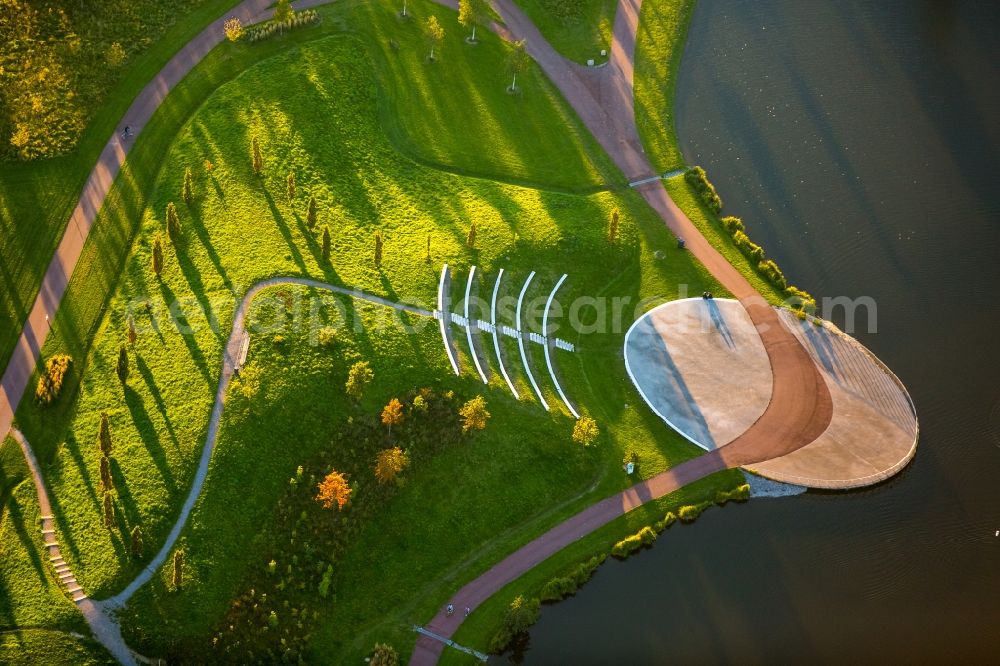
<point>147,430</point>
<point>198,223</point>
<point>285,231</point>
<point>193,278</point>
<point>16,517</point>
<point>130,509</point>
<point>154,391</point>
<point>180,323</point>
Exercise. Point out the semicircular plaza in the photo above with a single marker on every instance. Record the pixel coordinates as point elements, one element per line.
<point>700,366</point>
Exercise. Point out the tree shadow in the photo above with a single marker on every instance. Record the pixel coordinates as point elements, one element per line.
<point>286,233</point>
<point>198,224</point>
<point>154,391</point>
<point>183,329</point>
<point>147,430</point>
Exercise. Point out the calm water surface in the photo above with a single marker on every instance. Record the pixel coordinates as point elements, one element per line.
<point>860,142</point>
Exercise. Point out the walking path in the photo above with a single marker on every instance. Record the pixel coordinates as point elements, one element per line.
<point>800,408</point>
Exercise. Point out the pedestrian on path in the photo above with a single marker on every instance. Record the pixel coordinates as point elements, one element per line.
<point>467,611</point>
<point>450,610</point>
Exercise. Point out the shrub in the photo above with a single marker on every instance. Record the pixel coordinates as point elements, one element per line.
<point>51,382</point>
<point>665,522</point>
<point>520,615</point>
<point>327,336</point>
<point>800,299</point>
<point>732,224</point>
<point>115,55</point>
<point>326,244</point>
<point>234,29</point>
<point>703,188</point>
<point>772,273</point>
<point>689,512</point>
<point>384,655</point>
<point>631,457</point>
<point>311,215</point>
<point>188,190</point>
<point>109,511</point>
<point>259,31</point>
<point>470,240</point>
<point>613,227</point>
<point>561,587</point>
<point>585,431</point>
<point>104,435</point>
<point>378,248</point>
<point>122,367</point>
<point>740,493</point>
<point>644,537</point>
<point>389,463</point>
<point>157,256</point>
<point>136,542</point>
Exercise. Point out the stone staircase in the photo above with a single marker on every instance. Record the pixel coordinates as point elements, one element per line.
<point>66,578</point>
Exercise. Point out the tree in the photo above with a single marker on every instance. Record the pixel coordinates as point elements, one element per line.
<point>334,489</point>
<point>392,414</point>
<point>291,186</point>
<point>378,248</point>
<point>585,431</point>
<point>384,655</point>
<point>474,414</point>
<point>311,213</point>
<point>136,541</point>
<point>178,568</point>
<point>109,511</point>
<point>132,335</point>
<point>104,436</point>
<point>157,256</point>
<point>472,13</point>
<point>517,62</point>
<point>613,227</point>
<point>434,34</point>
<point>258,161</point>
<point>283,11</point>
<point>520,615</point>
<point>122,368</point>
<point>107,483</point>
<point>358,377</point>
<point>188,187</point>
<point>173,224</point>
<point>471,240</point>
<point>234,29</point>
<point>326,244</point>
<point>389,463</point>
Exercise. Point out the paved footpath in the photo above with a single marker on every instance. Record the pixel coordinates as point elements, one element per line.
<point>800,408</point>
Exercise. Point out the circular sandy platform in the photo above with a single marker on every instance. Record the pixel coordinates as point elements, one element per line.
<point>700,365</point>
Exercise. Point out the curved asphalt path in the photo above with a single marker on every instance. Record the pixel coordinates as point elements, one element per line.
<point>800,408</point>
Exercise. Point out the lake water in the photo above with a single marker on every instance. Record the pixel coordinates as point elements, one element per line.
<point>860,142</point>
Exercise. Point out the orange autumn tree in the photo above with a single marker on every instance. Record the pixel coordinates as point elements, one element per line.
<point>392,414</point>
<point>334,490</point>
<point>389,463</point>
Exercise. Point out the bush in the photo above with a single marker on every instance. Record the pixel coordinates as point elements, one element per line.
<point>733,224</point>
<point>644,537</point>
<point>801,300</point>
<point>740,493</point>
<point>259,31</point>
<point>50,383</point>
<point>772,273</point>
<point>561,587</point>
<point>665,522</point>
<point>689,512</point>
<point>698,180</point>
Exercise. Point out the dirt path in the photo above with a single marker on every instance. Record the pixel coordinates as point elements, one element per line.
<point>800,408</point>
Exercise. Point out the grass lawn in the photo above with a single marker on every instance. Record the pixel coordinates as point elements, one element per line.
<point>659,46</point>
<point>578,29</point>
<point>38,196</point>
<point>24,647</point>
